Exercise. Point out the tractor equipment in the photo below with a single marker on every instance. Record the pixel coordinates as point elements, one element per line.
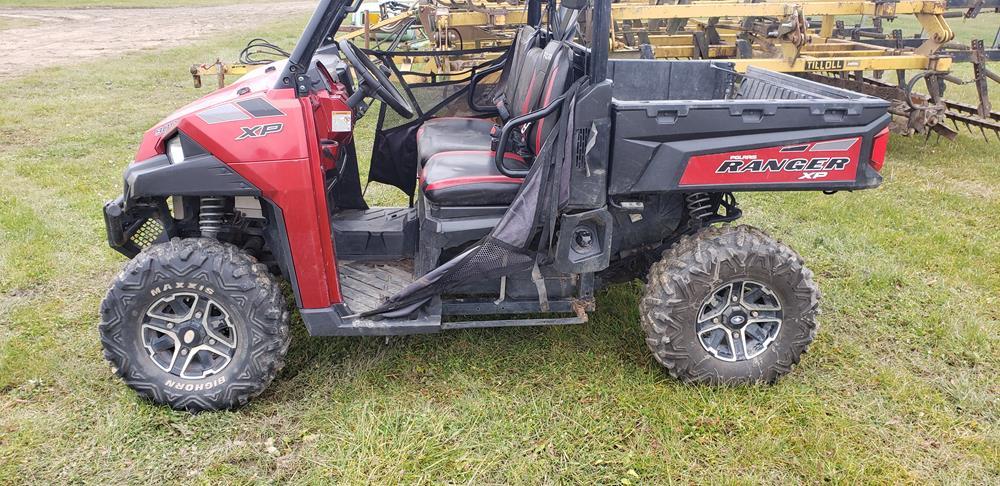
<point>536,179</point>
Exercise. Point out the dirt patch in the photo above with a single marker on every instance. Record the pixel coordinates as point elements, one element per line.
<point>52,37</point>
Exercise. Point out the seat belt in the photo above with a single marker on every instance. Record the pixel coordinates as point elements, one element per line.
<point>516,144</point>
<point>501,103</point>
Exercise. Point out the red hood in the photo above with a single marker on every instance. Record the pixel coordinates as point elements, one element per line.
<point>257,81</point>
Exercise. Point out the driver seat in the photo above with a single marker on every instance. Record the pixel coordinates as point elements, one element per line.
<point>470,177</point>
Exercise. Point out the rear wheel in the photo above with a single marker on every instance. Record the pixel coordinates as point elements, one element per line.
<point>729,305</point>
<point>195,324</point>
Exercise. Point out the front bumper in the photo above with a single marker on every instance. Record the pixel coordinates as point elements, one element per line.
<point>132,228</point>
<point>139,217</point>
<point>114,222</point>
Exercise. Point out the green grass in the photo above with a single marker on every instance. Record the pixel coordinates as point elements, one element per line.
<point>900,387</point>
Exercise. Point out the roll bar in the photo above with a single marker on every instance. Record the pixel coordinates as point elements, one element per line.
<point>326,19</point>
<point>509,127</point>
<point>330,14</point>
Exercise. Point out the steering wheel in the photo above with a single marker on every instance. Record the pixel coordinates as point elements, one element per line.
<point>374,80</point>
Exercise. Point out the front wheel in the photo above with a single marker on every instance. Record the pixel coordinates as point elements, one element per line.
<point>195,324</point>
<point>729,305</point>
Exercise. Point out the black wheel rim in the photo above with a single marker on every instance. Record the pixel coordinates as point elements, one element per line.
<point>189,335</point>
<point>738,321</point>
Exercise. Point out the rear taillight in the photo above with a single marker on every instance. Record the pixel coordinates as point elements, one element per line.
<point>879,148</point>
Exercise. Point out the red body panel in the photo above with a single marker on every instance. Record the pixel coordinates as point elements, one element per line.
<point>277,149</point>
<point>828,160</point>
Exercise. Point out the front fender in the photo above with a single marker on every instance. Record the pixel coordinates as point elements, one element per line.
<point>198,175</point>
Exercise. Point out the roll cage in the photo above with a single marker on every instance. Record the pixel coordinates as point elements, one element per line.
<point>330,15</point>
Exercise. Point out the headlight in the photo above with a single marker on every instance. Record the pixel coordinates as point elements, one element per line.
<point>175,151</point>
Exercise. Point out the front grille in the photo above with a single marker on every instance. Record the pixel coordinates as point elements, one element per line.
<point>148,233</point>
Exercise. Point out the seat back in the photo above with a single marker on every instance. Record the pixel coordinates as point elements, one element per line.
<point>556,62</point>
<point>529,83</point>
<point>525,39</point>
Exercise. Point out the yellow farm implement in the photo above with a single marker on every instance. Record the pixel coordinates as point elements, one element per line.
<point>810,38</point>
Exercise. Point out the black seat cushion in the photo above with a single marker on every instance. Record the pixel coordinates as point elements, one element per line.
<point>447,134</point>
<point>525,39</point>
<point>470,178</point>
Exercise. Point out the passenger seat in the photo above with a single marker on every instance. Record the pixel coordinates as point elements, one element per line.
<point>470,177</point>
<point>467,133</point>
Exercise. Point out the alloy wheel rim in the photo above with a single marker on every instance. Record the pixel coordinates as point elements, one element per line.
<point>188,335</point>
<point>738,321</point>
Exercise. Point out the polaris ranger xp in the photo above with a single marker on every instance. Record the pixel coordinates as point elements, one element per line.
<point>536,177</point>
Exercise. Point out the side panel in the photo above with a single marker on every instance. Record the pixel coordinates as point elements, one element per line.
<point>296,186</point>
<point>290,186</point>
<point>830,158</point>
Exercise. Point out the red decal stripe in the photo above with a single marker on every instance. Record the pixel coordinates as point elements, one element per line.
<point>769,165</point>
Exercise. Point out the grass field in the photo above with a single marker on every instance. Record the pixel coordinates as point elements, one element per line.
<point>900,387</point>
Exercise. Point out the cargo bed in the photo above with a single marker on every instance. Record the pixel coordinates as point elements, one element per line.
<point>682,124</point>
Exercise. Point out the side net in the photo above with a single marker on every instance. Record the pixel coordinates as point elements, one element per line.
<point>517,241</point>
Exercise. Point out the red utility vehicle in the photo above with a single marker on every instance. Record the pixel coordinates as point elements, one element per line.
<point>535,180</point>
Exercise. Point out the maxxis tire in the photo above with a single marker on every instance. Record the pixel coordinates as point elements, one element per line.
<point>679,283</point>
<point>250,296</point>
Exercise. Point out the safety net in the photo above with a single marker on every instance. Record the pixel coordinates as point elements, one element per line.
<point>437,83</point>
<point>521,241</point>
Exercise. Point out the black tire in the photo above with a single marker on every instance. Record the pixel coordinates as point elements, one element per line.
<point>249,315</point>
<point>680,285</point>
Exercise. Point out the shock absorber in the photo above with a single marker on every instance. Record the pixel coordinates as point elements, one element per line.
<point>699,206</point>
<point>213,212</point>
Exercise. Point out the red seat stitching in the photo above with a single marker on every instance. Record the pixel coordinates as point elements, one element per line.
<point>548,94</point>
<point>527,94</point>
<point>459,181</point>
